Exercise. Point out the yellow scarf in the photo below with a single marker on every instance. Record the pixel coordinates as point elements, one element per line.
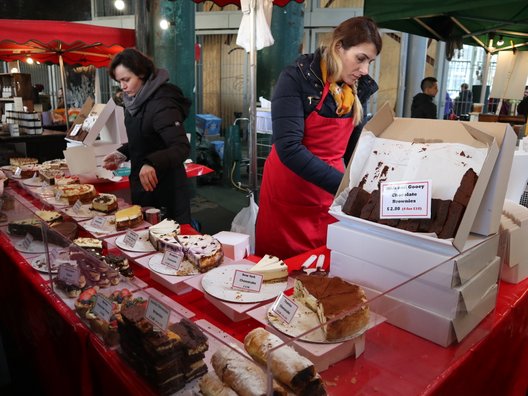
<point>342,94</point>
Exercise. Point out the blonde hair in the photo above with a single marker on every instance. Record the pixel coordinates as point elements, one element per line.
<point>349,33</point>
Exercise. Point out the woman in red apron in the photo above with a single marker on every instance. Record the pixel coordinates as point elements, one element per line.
<point>315,106</point>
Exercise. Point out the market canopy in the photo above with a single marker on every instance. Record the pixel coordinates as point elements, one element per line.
<point>223,3</point>
<point>456,22</point>
<point>49,41</point>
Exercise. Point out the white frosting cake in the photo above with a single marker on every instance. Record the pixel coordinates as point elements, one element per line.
<point>164,233</point>
<point>271,268</point>
<point>204,251</point>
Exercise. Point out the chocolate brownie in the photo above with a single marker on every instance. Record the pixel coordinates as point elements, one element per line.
<point>442,209</point>
<point>454,216</point>
<point>371,204</point>
<point>357,198</point>
<point>467,184</point>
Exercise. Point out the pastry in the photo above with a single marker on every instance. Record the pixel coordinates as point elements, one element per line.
<point>271,268</point>
<point>211,385</point>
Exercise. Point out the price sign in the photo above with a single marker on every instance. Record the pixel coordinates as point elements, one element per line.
<point>26,242</point>
<point>247,281</point>
<point>34,177</point>
<point>75,130</point>
<point>406,199</point>
<point>45,185</point>
<point>103,307</point>
<point>58,195</point>
<point>77,206</point>
<point>172,258</point>
<point>131,238</point>
<point>157,313</point>
<point>18,171</point>
<point>98,222</point>
<point>54,255</point>
<point>284,308</point>
<point>69,274</point>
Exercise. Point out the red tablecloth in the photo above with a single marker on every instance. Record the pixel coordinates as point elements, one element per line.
<point>69,359</point>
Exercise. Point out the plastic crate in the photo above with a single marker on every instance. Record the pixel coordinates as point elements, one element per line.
<point>208,124</point>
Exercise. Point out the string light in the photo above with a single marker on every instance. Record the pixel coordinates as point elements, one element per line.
<point>164,24</point>
<point>501,41</point>
<point>119,4</point>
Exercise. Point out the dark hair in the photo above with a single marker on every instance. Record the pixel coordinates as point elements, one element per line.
<point>428,82</point>
<point>135,61</point>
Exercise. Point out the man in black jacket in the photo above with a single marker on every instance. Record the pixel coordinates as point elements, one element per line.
<point>422,104</point>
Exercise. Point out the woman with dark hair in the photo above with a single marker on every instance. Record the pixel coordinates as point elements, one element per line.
<point>157,144</point>
<point>316,104</point>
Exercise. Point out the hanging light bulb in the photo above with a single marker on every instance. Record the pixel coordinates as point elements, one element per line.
<point>29,60</point>
<point>164,24</point>
<point>501,41</point>
<point>119,4</point>
<point>14,70</point>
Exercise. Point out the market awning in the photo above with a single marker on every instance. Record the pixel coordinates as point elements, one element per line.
<point>223,3</point>
<point>472,22</point>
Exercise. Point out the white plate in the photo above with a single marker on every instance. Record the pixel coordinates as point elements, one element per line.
<point>305,319</point>
<point>85,212</point>
<point>54,202</point>
<point>186,267</point>
<point>218,281</point>
<point>39,263</point>
<point>142,244</point>
<point>33,182</point>
<point>34,247</point>
<point>107,229</point>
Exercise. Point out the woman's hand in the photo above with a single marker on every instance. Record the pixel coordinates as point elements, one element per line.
<point>148,178</point>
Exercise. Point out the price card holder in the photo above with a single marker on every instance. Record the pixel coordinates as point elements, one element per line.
<point>405,199</point>
<point>130,238</point>
<point>284,308</point>
<point>18,171</point>
<point>77,206</point>
<point>45,185</point>
<point>26,242</point>
<point>58,195</point>
<point>98,222</point>
<point>247,281</point>
<point>103,307</point>
<point>69,274</point>
<point>157,313</point>
<point>172,258</point>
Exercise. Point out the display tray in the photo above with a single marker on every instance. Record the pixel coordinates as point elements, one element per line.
<point>218,282</point>
<point>56,202</point>
<point>39,263</point>
<point>33,182</point>
<point>85,212</point>
<point>305,319</point>
<point>186,267</point>
<point>142,244</point>
<point>109,227</point>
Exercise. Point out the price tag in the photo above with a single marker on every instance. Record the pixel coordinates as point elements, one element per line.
<point>18,171</point>
<point>75,130</point>
<point>26,242</point>
<point>157,313</point>
<point>172,258</point>
<point>45,184</point>
<point>284,308</point>
<point>34,177</point>
<point>130,238</point>
<point>406,199</point>
<point>98,222</point>
<point>247,281</point>
<point>103,307</point>
<point>77,206</point>
<point>69,274</point>
<point>58,195</point>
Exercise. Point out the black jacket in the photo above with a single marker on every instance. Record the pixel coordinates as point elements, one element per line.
<point>156,136</point>
<point>296,94</point>
<point>423,106</point>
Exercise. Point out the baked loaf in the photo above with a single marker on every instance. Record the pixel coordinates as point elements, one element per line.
<point>242,374</point>
<point>211,385</point>
<point>287,366</point>
<point>331,298</point>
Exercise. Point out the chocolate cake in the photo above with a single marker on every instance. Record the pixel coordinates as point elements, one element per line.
<point>467,184</point>
<point>357,198</point>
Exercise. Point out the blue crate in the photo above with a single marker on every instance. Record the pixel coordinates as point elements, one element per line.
<point>218,146</point>
<point>208,124</point>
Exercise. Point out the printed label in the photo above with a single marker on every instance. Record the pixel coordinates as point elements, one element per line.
<point>77,206</point>
<point>26,242</point>
<point>58,195</point>
<point>172,258</point>
<point>18,171</point>
<point>69,274</point>
<point>247,281</point>
<point>131,238</point>
<point>406,199</point>
<point>157,313</point>
<point>284,308</point>
<point>98,222</point>
<point>103,307</point>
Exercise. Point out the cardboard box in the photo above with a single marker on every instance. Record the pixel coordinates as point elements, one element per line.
<point>420,290</point>
<point>429,325</point>
<point>208,124</point>
<point>385,125</point>
<point>410,256</point>
<point>234,244</point>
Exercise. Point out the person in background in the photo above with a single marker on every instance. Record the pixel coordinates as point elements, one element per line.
<point>522,107</point>
<point>448,109</point>
<point>314,108</point>
<point>157,144</point>
<point>422,104</point>
<point>464,102</point>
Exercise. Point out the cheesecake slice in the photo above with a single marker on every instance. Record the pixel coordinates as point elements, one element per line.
<point>128,218</point>
<point>105,203</point>
<point>271,268</point>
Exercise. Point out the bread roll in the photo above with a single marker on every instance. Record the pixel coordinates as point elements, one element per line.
<point>241,374</point>
<point>211,385</point>
<point>285,363</point>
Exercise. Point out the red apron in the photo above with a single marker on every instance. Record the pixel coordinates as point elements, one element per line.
<point>293,213</point>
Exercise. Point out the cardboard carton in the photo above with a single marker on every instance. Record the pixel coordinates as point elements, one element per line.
<point>385,125</point>
<point>234,244</point>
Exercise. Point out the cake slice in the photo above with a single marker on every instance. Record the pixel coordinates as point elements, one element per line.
<point>128,218</point>
<point>105,203</point>
<point>164,233</point>
<point>271,268</point>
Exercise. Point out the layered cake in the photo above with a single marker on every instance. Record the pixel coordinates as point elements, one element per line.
<point>105,203</point>
<point>50,175</point>
<point>21,161</point>
<point>49,216</point>
<point>28,171</point>
<point>164,233</point>
<point>204,251</point>
<point>92,244</point>
<point>331,298</point>
<point>271,268</point>
<point>119,263</point>
<point>73,192</point>
<point>35,228</point>
<point>55,164</point>
<point>128,218</point>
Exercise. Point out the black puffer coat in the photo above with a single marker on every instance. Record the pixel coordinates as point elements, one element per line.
<point>156,136</point>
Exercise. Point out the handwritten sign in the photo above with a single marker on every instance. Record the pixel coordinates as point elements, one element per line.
<point>69,274</point>
<point>25,243</point>
<point>284,308</point>
<point>103,307</point>
<point>98,222</point>
<point>247,281</point>
<point>405,199</point>
<point>172,258</point>
<point>77,206</point>
<point>131,238</point>
<point>58,195</point>
<point>157,313</point>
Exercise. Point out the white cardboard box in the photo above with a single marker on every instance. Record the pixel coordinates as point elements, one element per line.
<point>429,325</point>
<point>419,291</point>
<point>234,244</point>
<point>385,125</point>
<point>411,257</point>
